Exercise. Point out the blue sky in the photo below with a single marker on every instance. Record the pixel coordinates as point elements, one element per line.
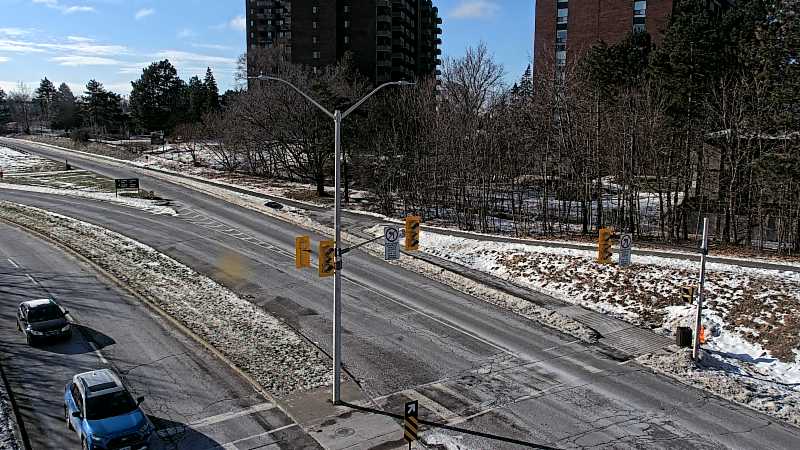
<point>73,41</point>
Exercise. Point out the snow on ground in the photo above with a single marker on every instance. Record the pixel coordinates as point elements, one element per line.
<point>12,161</point>
<point>8,440</point>
<point>151,206</point>
<point>279,359</point>
<point>751,314</point>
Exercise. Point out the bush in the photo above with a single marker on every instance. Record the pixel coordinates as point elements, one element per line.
<point>81,136</point>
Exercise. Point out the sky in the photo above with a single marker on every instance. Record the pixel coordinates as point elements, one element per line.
<point>73,41</point>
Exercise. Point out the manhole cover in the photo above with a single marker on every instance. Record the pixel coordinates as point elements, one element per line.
<point>344,432</point>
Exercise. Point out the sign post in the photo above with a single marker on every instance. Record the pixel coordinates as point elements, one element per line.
<point>625,247</point>
<point>698,322</point>
<point>391,244</point>
<point>411,422</point>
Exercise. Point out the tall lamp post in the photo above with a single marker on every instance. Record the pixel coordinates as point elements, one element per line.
<point>337,117</point>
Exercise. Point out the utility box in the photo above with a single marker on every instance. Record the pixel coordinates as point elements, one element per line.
<point>683,337</point>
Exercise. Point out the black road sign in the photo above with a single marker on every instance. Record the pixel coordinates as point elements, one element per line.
<point>411,422</point>
<point>127,184</point>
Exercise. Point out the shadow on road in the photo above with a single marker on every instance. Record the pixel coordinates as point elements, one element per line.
<point>173,435</point>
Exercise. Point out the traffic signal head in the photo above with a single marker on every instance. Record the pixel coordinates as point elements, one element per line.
<point>412,233</point>
<point>302,252</point>
<point>327,258</point>
<point>604,246</point>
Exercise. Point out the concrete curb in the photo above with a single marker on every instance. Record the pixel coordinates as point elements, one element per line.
<point>15,417</point>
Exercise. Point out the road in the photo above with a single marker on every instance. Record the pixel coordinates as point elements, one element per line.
<point>194,400</point>
<point>409,337</point>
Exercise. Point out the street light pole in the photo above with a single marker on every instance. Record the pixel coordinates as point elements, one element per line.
<point>337,117</point>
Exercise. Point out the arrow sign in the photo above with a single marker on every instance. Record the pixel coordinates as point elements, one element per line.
<point>410,422</point>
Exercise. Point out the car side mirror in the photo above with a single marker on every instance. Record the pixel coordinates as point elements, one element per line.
<point>139,400</point>
<point>76,414</point>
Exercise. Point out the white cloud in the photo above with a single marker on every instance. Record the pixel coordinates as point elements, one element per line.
<point>181,57</point>
<point>142,13</point>
<point>185,33</point>
<point>79,39</point>
<point>13,32</point>
<point>238,23</point>
<point>475,9</point>
<point>212,46</point>
<point>65,9</point>
<point>82,60</point>
<point>75,44</point>
<point>4,59</point>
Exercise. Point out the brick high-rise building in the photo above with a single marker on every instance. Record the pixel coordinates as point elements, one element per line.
<point>390,39</point>
<point>565,29</point>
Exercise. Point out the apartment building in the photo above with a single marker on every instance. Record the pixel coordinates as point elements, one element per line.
<point>390,40</point>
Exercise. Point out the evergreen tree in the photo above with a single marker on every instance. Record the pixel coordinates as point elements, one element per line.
<point>198,99</point>
<point>101,109</point>
<point>43,97</point>
<point>65,113</point>
<point>212,92</point>
<point>5,114</point>
<point>159,99</point>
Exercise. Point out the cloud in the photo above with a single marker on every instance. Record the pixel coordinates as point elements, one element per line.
<point>4,59</point>
<point>74,44</point>
<point>13,32</point>
<point>212,46</point>
<point>7,45</point>
<point>185,33</point>
<point>65,9</point>
<point>180,58</point>
<point>82,60</point>
<point>142,13</point>
<point>79,39</point>
<point>238,23</point>
<point>475,9</point>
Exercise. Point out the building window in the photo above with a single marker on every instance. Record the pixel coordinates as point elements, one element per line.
<point>314,39</point>
<point>347,24</point>
<point>347,39</point>
<point>347,8</point>
<point>640,8</point>
<point>561,58</point>
<point>639,28</point>
<point>563,14</point>
<point>315,9</point>
<point>316,55</point>
<point>561,36</point>
<point>314,25</point>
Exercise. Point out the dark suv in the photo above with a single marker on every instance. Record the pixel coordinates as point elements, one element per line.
<point>43,319</point>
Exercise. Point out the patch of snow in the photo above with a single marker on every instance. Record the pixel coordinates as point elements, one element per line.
<point>151,206</point>
<point>8,438</point>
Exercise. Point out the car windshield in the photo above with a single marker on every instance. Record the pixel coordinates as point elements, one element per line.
<point>44,313</point>
<point>109,405</point>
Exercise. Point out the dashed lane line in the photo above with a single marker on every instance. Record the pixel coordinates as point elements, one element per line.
<point>98,353</point>
<point>16,266</point>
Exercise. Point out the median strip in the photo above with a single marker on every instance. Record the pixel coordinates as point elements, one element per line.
<point>267,350</point>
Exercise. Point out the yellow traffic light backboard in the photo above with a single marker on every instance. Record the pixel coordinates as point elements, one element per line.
<point>302,252</point>
<point>327,258</point>
<point>412,233</point>
<point>604,246</point>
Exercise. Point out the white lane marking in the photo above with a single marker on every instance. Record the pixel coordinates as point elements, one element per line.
<point>232,445</point>
<point>590,368</point>
<point>33,280</point>
<point>441,322</point>
<point>231,415</point>
<point>432,405</point>
<point>97,352</point>
<point>13,263</point>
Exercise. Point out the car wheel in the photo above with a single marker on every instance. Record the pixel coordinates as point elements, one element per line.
<point>30,340</point>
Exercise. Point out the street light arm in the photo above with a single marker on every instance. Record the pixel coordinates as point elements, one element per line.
<point>268,78</point>
<point>361,102</point>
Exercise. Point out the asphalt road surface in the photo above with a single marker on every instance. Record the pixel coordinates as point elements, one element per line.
<point>194,400</point>
<point>409,337</point>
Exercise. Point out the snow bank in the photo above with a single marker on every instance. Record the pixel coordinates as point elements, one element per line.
<point>279,359</point>
<point>13,161</point>
<point>8,439</point>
